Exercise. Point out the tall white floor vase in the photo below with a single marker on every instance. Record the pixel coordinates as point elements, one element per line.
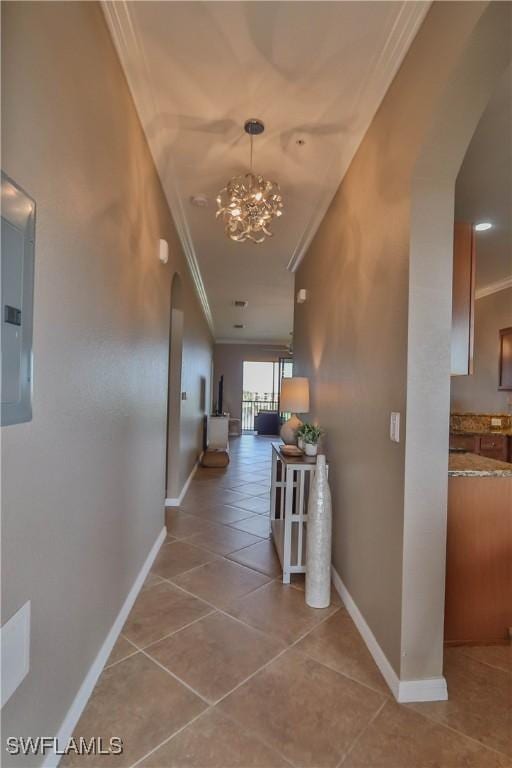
<point>318,541</point>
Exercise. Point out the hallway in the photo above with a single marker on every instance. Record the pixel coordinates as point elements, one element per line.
<point>162,228</point>
<point>220,664</point>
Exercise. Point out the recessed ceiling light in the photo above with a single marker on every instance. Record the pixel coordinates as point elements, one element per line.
<point>240,303</point>
<point>238,325</point>
<point>482,226</point>
<point>200,201</point>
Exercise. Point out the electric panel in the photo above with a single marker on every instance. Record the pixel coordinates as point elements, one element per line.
<point>17,256</point>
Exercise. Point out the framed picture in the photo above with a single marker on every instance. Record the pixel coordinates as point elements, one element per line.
<point>505,370</point>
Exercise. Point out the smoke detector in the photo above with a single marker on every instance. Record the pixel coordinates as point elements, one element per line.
<point>200,200</point>
<point>240,303</point>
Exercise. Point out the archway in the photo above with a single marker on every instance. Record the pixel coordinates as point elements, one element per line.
<point>176,322</point>
<point>481,64</point>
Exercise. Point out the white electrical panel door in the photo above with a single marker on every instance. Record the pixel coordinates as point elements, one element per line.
<point>17,254</point>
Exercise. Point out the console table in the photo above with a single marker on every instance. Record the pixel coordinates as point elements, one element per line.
<point>290,483</point>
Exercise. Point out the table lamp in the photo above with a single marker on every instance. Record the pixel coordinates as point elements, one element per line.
<point>294,399</point>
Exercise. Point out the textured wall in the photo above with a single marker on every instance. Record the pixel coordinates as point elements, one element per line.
<point>83,482</point>
<point>479,393</point>
<point>373,336</point>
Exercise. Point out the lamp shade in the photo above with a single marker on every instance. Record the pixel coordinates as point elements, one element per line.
<point>295,394</point>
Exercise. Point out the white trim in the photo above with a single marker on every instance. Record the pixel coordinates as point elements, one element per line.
<point>379,79</point>
<point>82,697</point>
<point>499,285</point>
<point>277,346</point>
<point>123,29</point>
<point>15,646</point>
<point>177,501</point>
<point>429,689</point>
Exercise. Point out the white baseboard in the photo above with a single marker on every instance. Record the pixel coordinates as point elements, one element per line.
<point>177,501</point>
<point>428,689</point>
<point>85,690</point>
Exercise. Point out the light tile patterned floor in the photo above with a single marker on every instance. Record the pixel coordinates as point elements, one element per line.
<point>220,665</point>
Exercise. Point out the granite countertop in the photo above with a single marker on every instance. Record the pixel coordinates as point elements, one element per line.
<point>506,432</point>
<point>471,465</point>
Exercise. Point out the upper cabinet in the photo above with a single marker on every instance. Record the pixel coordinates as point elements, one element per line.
<point>505,368</point>
<point>463,298</point>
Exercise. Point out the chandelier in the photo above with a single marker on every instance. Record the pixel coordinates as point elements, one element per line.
<point>247,204</point>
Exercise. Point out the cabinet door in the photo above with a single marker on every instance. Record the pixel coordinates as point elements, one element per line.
<point>478,608</point>
<point>463,298</point>
<point>505,380</point>
<point>464,442</point>
<point>494,447</point>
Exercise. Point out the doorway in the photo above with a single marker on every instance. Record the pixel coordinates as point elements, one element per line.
<point>176,323</point>
<point>261,388</point>
<point>479,547</point>
<point>481,63</point>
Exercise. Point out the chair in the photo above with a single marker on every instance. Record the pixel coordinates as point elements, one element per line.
<point>267,423</point>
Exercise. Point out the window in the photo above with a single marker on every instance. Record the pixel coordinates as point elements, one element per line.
<point>261,387</point>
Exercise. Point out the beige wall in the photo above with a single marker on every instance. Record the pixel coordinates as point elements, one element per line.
<point>374,334</point>
<point>228,360</point>
<point>83,482</point>
<point>479,393</point>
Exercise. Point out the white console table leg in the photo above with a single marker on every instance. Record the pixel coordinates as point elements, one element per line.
<point>288,512</point>
<point>273,487</point>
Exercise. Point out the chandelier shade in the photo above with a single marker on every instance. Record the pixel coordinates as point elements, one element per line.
<point>248,204</point>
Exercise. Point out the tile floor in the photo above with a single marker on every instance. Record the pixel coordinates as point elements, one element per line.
<point>220,665</point>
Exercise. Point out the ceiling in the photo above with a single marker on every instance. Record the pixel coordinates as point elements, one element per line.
<point>312,71</point>
<point>484,187</point>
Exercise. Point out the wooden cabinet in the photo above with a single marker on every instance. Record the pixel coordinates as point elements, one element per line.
<point>493,446</point>
<point>463,299</point>
<point>505,368</point>
<point>464,443</point>
<point>478,608</point>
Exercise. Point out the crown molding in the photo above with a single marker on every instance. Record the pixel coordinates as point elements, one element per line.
<point>277,346</point>
<point>499,285</point>
<point>384,68</point>
<point>126,39</point>
<point>382,71</point>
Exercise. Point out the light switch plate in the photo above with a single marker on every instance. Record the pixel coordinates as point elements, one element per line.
<point>163,251</point>
<point>394,427</point>
<point>15,641</point>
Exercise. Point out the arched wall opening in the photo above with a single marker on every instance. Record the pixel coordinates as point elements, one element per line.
<point>176,324</point>
<point>481,65</point>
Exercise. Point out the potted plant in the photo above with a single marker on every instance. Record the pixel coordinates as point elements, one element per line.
<point>311,435</point>
<point>300,435</point>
